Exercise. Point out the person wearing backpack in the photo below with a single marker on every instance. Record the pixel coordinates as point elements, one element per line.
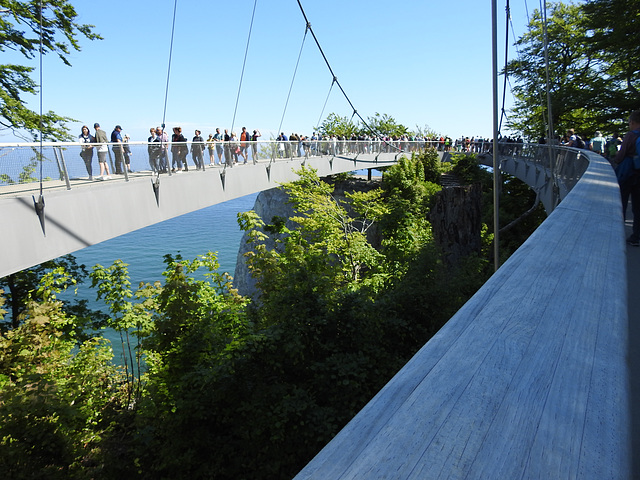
<point>627,165</point>
<point>575,140</point>
<point>612,147</point>
<point>597,143</point>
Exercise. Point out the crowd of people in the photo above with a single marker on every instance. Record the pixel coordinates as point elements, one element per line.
<point>605,146</point>
<point>624,155</point>
<point>171,153</point>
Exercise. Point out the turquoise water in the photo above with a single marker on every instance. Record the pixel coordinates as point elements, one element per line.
<point>211,229</point>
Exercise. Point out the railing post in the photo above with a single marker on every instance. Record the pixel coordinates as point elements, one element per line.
<point>113,170</point>
<point>63,171</point>
<point>60,172</point>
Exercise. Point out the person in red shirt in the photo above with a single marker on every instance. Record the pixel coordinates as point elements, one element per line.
<point>244,138</point>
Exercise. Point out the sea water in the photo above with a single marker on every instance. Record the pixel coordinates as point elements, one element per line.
<point>213,229</point>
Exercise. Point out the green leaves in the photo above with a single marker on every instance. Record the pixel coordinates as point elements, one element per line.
<point>54,397</point>
<point>20,31</point>
<point>337,125</point>
<point>328,245</point>
<point>593,68</point>
<point>378,125</point>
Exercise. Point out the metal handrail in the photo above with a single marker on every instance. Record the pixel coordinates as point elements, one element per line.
<point>62,160</point>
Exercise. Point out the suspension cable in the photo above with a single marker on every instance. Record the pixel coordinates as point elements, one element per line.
<point>166,91</point>
<point>166,97</point>
<point>246,51</point>
<point>40,120</point>
<point>335,79</point>
<point>520,56</point>
<point>506,56</point>
<point>551,137</point>
<point>325,103</point>
<point>306,30</point>
<point>39,204</point>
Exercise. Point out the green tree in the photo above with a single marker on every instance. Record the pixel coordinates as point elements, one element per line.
<point>339,126</point>
<point>575,76</point>
<point>127,318</point>
<point>613,35</point>
<point>386,125</point>
<point>198,325</point>
<point>20,27</point>
<point>425,131</point>
<point>58,399</point>
<point>328,247</point>
<point>19,287</point>
<point>409,188</point>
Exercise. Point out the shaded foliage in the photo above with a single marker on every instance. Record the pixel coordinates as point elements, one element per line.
<point>57,400</point>
<point>20,286</point>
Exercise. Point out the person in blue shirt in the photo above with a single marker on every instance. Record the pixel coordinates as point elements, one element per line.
<point>598,143</point>
<point>218,139</point>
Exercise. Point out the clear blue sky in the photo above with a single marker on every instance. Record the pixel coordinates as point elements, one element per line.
<point>424,62</point>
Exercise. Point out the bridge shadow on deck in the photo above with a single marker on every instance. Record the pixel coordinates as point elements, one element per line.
<point>633,277</point>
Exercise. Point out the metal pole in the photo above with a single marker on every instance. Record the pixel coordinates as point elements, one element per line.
<point>496,170</point>
<point>551,141</point>
<point>64,168</point>
<point>546,63</point>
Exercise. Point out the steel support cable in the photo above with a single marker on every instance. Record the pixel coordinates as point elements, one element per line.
<point>551,137</point>
<point>306,30</point>
<point>39,204</point>
<point>40,119</point>
<point>246,51</point>
<point>335,79</point>
<point>519,55</point>
<point>325,102</point>
<point>526,7</point>
<point>166,92</point>
<point>506,54</point>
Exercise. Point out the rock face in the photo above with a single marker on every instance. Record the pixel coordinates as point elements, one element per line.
<point>456,219</point>
<point>275,202</point>
<point>269,203</point>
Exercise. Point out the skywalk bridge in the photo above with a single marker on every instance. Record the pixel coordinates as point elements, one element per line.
<point>79,212</point>
<point>528,380</point>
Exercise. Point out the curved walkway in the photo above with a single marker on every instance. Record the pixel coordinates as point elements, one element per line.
<point>530,379</point>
